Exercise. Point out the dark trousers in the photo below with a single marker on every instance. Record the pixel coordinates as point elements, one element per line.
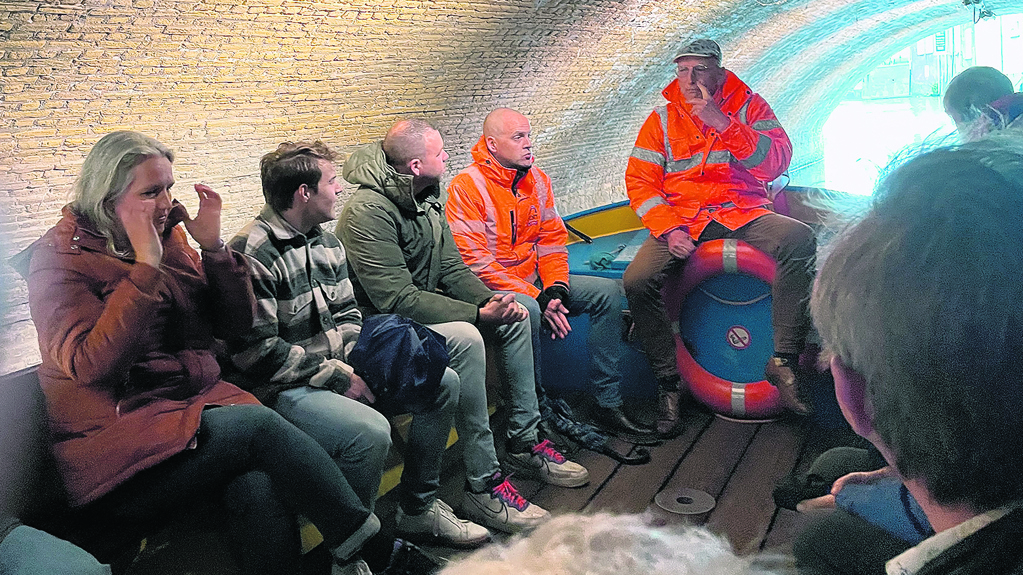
<point>791,243</point>
<point>840,543</point>
<point>265,469</point>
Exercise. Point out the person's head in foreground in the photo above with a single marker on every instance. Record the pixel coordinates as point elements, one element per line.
<point>607,544</point>
<point>921,304</point>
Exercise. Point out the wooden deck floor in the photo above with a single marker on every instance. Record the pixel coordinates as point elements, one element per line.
<point>737,463</point>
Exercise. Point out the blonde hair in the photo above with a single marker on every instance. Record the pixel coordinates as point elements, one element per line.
<point>107,172</point>
<point>607,544</point>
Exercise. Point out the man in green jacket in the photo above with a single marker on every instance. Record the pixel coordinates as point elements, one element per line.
<point>404,261</point>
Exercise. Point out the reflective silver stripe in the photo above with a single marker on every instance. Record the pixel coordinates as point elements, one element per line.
<point>648,156</point>
<point>543,194</point>
<point>488,204</point>
<point>738,399</point>
<point>712,209</point>
<point>742,112</point>
<point>763,147</point>
<point>547,250</point>
<point>715,157</point>
<point>720,157</point>
<point>684,164</point>
<point>649,205</point>
<point>766,125</point>
<point>662,113</point>
<point>484,260</point>
<point>730,256</point>
<point>463,225</point>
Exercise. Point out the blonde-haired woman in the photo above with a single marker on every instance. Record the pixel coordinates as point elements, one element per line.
<point>141,423</point>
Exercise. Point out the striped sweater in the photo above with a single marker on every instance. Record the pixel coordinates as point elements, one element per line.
<point>306,319</point>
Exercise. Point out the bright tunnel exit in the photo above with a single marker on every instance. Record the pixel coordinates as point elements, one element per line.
<point>896,109</point>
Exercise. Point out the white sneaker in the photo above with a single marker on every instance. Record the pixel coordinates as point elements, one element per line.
<point>501,507</point>
<point>353,567</point>
<point>438,525</point>
<point>545,463</point>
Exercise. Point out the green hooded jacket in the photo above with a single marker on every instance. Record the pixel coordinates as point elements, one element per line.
<point>402,257</point>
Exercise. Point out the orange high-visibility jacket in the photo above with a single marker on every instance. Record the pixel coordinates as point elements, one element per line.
<point>509,236</point>
<point>683,173</point>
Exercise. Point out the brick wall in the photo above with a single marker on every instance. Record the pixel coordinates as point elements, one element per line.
<point>224,82</point>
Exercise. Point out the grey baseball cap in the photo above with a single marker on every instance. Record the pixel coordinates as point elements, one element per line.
<point>703,48</point>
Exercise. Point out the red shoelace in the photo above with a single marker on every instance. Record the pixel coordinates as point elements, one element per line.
<point>546,450</point>
<point>507,493</point>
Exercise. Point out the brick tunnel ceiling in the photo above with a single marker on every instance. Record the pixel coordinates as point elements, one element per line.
<point>586,71</point>
<point>803,56</point>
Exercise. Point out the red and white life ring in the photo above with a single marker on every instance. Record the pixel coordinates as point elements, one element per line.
<point>755,400</point>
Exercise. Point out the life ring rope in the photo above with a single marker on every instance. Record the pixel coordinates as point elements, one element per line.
<point>724,301</point>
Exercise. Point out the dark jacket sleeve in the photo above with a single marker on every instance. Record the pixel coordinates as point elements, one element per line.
<point>456,278</point>
<point>370,236</point>
<point>234,303</point>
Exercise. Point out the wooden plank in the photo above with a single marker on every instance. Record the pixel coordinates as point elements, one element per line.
<point>601,468</point>
<point>745,508</point>
<point>709,465</point>
<point>633,487</point>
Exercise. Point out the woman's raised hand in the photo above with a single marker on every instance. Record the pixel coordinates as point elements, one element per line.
<point>205,226</point>
<point>137,215</point>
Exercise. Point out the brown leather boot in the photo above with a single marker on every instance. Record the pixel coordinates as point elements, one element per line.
<point>669,418</point>
<point>781,374</point>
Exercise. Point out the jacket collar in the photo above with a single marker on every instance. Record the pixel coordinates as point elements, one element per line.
<point>74,233</point>
<point>367,167</point>
<point>283,230</point>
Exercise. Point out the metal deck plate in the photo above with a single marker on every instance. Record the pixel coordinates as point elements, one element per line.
<point>685,501</point>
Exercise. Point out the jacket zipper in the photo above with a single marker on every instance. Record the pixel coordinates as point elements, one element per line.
<point>706,155</point>
<point>514,235</point>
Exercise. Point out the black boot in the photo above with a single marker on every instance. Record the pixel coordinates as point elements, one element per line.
<point>615,420</point>
<point>669,413</point>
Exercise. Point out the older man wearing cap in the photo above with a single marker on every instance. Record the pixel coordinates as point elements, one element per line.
<point>699,172</point>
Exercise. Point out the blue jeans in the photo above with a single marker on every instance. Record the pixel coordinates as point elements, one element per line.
<point>28,551</point>
<point>514,358</point>
<point>427,439</point>
<point>355,435</point>
<point>601,299</point>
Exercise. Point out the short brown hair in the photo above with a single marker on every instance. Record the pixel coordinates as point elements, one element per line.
<point>292,164</point>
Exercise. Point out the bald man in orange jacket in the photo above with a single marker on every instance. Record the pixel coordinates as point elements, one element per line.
<point>502,215</point>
